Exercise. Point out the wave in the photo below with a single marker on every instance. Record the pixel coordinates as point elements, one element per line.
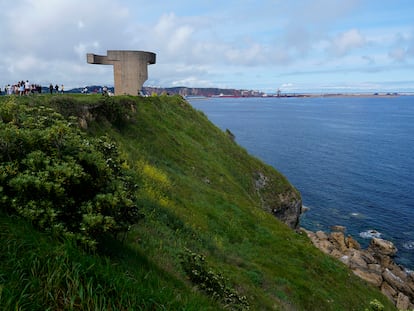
<point>357,215</point>
<point>409,245</point>
<point>305,209</point>
<point>369,234</point>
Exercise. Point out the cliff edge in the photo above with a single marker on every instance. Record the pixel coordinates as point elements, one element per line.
<point>286,206</point>
<point>208,238</point>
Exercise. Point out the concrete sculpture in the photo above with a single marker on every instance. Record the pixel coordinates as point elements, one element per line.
<point>130,69</point>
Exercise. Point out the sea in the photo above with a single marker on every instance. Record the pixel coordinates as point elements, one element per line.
<point>351,158</point>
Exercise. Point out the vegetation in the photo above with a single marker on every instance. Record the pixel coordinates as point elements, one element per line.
<point>61,181</point>
<point>191,187</point>
<point>211,282</point>
<point>375,305</point>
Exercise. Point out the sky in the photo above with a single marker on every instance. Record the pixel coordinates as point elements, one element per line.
<point>264,45</point>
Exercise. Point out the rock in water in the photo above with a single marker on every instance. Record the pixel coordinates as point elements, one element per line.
<point>383,247</point>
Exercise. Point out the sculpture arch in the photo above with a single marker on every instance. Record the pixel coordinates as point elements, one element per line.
<point>130,68</point>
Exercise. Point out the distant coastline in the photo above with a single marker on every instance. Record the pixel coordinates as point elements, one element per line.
<point>295,95</point>
<point>199,93</point>
<point>202,93</point>
<point>379,94</point>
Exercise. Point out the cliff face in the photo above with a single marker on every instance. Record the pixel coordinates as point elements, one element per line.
<point>289,212</point>
<point>285,204</point>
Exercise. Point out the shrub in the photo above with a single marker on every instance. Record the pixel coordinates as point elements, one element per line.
<point>211,282</point>
<point>67,105</point>
<point>61,181</point>
<point>117,110</point>
<point>375,305</point>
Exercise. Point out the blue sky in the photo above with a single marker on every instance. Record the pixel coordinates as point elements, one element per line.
<point>294,46</point>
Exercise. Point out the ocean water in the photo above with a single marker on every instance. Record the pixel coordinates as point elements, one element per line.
<point>352,158</point>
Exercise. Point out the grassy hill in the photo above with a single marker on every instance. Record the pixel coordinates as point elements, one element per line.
<point>207,240</point>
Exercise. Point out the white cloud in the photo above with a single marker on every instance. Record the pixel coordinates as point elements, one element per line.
<point>192,81</point>
<point>251,55</point>
<point>347,41</point>
<point>179,39</point>
<point>398,54</point>
<point>205,42</point>
<point>403,46</point>
<point>308,22</point>
<point>46,40</point>
<point>287,86</point>
<point>81,49</point>
<point>81,24</point>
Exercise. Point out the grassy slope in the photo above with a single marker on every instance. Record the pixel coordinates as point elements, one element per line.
<point>197,192</point>
<point>38,273</point>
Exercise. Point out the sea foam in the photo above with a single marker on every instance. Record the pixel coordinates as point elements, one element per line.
<point>409,245</point>
<point>369,234</point>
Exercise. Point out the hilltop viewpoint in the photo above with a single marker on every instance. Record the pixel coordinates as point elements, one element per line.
<point>141,203</point>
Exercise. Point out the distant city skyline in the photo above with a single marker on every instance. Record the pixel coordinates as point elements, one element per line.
<point>295,46</point>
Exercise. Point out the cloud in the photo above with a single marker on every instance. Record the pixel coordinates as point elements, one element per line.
<point>46,40</point>
<point>61,33</point>
<point>299,38</point>
<point>403,47</point>
<point>369,59</point>
<point>287,87</point>
<point>250,55</point>
<point>192,81</point>
<point>347,41</point>
<point>205,42</point>
<point>172,33</point>
<point>81,24</point>
<point>81,49</point>
<point>398,54</point>
<point>308,22</point>
<point>319,12</point>
<point>179,40</point>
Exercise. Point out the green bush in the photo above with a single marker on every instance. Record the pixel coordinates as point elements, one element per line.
<point>117,110</point>
<point>211,282</point>
<point>375,305</point>
<point>67,105</point>
<point>61,181</point>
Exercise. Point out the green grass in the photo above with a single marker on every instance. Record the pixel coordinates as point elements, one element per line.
<point>39,273</point>
<point>197,192</point>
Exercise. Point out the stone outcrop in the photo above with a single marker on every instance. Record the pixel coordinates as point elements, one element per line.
<point>374,264</point>
<point>289,212</point>
<point>286,206</point>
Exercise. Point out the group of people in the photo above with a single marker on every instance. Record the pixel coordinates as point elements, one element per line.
<point>26,88</point>
<point>21,88</point>
<point>56,88</point>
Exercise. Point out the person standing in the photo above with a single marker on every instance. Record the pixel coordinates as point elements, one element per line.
<point>21,88</point>
<point>51,88</point>
<point>26,87</point>
<point>62,88</point>
<point>57,88</point>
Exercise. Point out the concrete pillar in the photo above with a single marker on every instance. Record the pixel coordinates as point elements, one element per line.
<point>130,68</point>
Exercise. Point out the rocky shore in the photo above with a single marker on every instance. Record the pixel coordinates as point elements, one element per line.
<point>374,264</point>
